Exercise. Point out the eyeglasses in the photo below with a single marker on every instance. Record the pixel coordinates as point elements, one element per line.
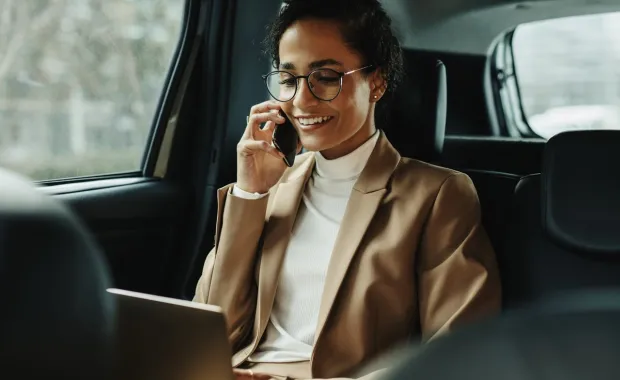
<point>325,84</point>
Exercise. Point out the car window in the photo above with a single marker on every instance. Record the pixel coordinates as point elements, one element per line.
<point>80,82</point>
<point>568,73</point>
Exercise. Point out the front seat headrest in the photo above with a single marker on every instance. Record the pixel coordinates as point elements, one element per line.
<point>56,318</point>
<point>572,337</point>
<point>581,191</point>
<point>415,121</point>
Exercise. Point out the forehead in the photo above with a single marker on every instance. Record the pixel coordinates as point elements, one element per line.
<point>308,41</point>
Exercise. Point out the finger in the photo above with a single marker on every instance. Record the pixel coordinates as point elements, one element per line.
<point>269,126</point>
<point>256,120</point>
<point>251,147</point>
<point>261,118</point>
<point>265,107</point>
<point>241,374</point>
<point>244,374</point>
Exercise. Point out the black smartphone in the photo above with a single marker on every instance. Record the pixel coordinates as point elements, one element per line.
<point>286,139</point>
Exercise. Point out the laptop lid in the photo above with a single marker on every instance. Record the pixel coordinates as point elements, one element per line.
<point>160,338</point>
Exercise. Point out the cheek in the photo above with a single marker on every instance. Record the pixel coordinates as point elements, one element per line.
<point>287,108</point>
<point>353,106</point>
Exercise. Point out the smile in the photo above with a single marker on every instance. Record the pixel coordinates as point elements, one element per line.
<point>309,124</point>
<point>311,121</point>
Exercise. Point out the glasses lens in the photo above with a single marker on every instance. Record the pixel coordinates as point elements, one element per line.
<point>325,84</point>
<point>281,85</point>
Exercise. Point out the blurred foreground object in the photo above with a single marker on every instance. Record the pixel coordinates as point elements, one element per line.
<point>569,338</point>
<point>56,319</point>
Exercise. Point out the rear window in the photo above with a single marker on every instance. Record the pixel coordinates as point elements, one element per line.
<point>568,73</point>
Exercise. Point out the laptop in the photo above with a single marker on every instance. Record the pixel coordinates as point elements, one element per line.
<point>161,338</point>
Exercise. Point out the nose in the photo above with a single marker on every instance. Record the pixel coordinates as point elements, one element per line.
<point>303,97</point>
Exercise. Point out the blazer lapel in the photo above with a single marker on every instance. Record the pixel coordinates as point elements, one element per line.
<point>277,235</point>
<point>365,198</point>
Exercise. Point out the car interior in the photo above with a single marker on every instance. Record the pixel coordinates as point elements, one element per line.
<point>549,202</point>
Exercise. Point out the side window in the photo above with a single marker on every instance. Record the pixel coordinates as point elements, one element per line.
<point>568,73</point>
<point>80,81</point>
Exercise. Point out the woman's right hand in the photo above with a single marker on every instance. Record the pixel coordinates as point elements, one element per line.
<point>259,164</point>
<point>246,374</point>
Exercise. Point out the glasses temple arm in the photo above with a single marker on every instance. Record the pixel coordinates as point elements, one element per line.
<point>361,68</point>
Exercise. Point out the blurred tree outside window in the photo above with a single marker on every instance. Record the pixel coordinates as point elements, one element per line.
<point>80,81</point>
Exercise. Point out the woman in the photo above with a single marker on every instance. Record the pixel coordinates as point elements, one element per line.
<point>326,265</point>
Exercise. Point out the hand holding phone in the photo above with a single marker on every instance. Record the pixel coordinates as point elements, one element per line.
<point>260,164</point>
<point>286,140</point>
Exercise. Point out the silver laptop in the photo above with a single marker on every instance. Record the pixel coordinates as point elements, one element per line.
<point>163,338</point>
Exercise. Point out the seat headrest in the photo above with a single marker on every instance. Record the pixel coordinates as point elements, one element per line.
<point>581,191</point>
<point>57,319</point>
<point>572,338</point>
<point>415,122</point>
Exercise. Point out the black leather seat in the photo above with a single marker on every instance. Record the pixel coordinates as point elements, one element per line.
<point>564,233</point>
<point>495,191</point>
<point>416,126</point>
<point>56,319</point>
<point>415,121</point>
<point>574,338</point>
<point>561,267</point>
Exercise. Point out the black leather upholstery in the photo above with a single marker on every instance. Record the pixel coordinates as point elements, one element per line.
<point>56,319</point>
<point>415,121</point>
<point>533,267</point>
<point>495,191</point>
<point>474,152</point>
<point>416,126</point>
<point>568,339</point>
<point>581,209</point>
<point>539,259</point>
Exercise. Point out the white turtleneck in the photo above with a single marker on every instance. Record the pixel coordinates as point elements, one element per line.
<point>292,325</point>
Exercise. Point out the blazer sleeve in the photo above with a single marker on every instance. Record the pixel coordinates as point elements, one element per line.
<point>458,277</point>
<point>227,278</point>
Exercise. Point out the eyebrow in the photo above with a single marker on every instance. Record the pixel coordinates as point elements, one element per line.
<point>313,65</point>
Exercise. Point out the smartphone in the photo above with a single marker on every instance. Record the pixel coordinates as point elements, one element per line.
<point>286,140</point>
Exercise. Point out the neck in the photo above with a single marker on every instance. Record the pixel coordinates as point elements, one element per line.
<point>346,167</point>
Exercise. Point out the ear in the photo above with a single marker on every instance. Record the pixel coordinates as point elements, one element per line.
<point>378,86</point>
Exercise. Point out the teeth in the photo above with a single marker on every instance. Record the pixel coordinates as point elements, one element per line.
<point>314,120</point>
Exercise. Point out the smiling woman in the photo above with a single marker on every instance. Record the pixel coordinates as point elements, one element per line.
<point>326,265</point>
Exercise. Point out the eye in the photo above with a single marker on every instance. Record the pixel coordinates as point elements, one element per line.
<point>290,82</point>
<point>327,79</point>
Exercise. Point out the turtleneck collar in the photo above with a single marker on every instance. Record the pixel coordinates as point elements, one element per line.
<point>346,167</point>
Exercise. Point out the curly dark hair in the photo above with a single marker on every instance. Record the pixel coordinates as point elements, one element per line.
<point>365,27</point>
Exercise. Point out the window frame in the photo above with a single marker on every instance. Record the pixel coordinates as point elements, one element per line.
<point>519,125</point>
<point>506,89</point>
<point>159,120</point>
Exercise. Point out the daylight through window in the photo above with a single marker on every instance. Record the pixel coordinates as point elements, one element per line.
<point>568,72</point>
<point>80,82</point>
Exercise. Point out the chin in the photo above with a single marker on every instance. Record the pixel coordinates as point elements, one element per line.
<point>316,144</point>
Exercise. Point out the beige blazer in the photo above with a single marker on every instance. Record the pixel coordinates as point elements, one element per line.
<point>411,260</point>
